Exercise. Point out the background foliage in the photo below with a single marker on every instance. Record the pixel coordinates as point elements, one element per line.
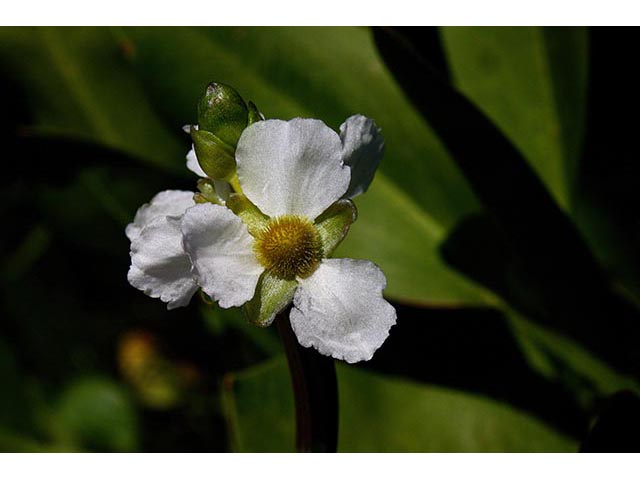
<point>501,216</point>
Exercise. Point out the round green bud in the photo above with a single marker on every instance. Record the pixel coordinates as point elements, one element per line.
<point>223,112</point>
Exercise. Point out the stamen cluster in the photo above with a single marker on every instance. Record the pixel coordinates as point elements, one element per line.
<point>289,246</point>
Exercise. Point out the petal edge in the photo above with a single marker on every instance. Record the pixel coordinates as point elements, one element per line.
<point>292,167</point>
<point>221,251</point>
<point>362,150</point>
<point>340,311</point>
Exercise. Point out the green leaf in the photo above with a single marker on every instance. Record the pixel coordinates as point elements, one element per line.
<point>383,414</point>
<point>258,406</point>
<point>559,359</point>
<point>223,320</point>
<point>80,86</point>
<point>96,414</point>
<point>309,72</point>
<point>20,409</point>
<point>609,180</point>
<point>11,442</point>
<point>531,82</point>
<point>523,211</point>
<point>404,241</point>
<point>14,402</point>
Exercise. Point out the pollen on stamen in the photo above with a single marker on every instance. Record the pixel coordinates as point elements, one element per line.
<point>289,247</point>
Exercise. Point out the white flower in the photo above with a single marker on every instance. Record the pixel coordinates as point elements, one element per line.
<point>269,245</point>
<point>159,265</point>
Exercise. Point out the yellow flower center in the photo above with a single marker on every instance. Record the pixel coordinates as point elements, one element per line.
<point>289,247</point>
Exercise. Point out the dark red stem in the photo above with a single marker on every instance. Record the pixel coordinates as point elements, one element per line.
<point>315,390</point>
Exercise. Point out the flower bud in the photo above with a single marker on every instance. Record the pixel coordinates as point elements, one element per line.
<point>223,112</point>
<point>214,156</point>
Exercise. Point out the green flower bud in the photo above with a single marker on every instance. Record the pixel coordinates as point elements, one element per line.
<point>214,156</point>
<point>223,112</point>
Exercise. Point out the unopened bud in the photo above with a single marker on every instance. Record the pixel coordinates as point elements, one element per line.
<point>223,112</point>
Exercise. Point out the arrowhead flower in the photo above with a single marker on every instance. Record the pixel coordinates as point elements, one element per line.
<point>263,239</point>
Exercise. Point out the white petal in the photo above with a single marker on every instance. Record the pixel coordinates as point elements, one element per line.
<point>192,160</point>
<point>168,202</point>
<point>340,310</point>
<point>362,149</point>
<point>221,251</point>
<point>159,265</point>
<point>193,165</point>
<point>292,167</point>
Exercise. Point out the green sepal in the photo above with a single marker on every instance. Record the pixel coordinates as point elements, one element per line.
<point>223,112</point>
<point>254,114</point>
<point>214,156</point>
<point>333,224</point>
<point>207,192</point>
<point>199,198</point>
<point>251,215</point>
<point>272,295</point>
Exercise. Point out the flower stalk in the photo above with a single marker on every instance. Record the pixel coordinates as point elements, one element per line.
<point>315,390</point>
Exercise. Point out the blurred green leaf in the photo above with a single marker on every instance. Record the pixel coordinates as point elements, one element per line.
<point>31,249</point>
<point>20,409</point>
<point>219,320</point>
<point>11,442</point>
<point>96,414</point>
<point>14,411</point>
<point>531,82</point>
<point>258,406</point>
<point>404,241</point>
<point>615,430</point>
<point>562,360</point>
<point>564,285</point>
<point>609,174</point>
<point>79,85</point>
<point>383,414</point>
